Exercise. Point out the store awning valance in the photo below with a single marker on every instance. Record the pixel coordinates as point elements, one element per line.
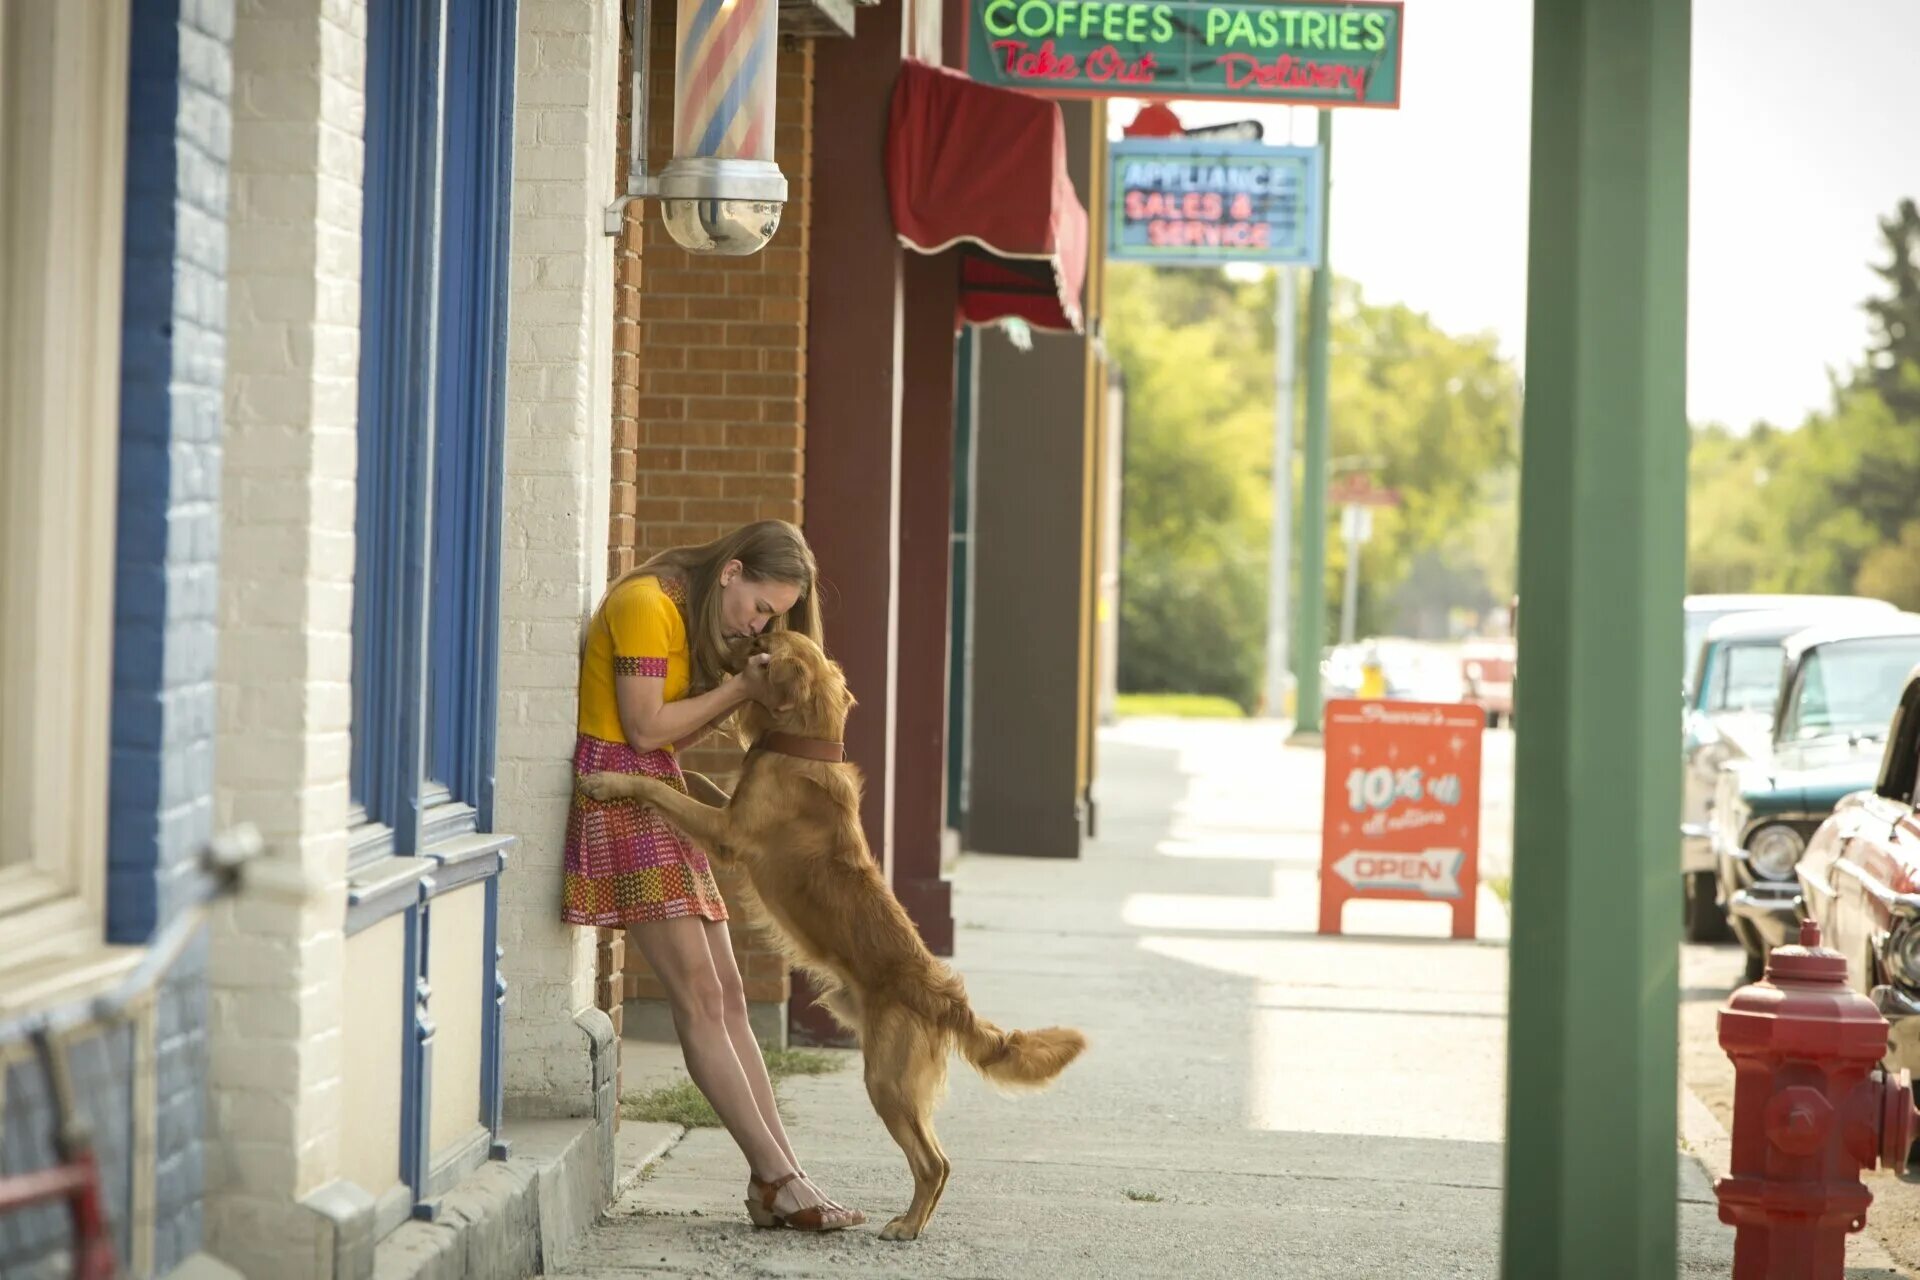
<point>985,169</point>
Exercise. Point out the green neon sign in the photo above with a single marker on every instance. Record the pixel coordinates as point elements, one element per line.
<point>1316,54</point>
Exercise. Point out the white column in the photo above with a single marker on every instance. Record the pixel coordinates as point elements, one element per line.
<point>286,615</point>
<point>558,482</point>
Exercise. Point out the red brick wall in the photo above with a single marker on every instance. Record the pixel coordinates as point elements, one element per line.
<point>709,398</point>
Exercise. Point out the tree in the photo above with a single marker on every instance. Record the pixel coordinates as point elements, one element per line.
<point>1893,362</point>
<point>1437,414</point>
<point>1891,571</point>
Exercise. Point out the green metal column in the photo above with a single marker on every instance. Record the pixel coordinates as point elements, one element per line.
<point>1312,613</point>
<point>1591,1152</point>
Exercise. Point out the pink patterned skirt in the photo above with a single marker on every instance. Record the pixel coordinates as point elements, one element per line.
<point>625,864</point>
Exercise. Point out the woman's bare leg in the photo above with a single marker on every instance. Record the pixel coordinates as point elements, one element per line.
<point>678,952</point>
<point>733,998</point>
<point>745,1047</point>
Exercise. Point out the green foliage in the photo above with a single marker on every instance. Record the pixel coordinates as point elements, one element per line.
<point>1892,571</point>
<point>782,1063</point>
<point>1186,706</point>
<point>683,1104</point>
<point>1893,362</point>
<point>1430,414</point>
<point>1832,505</point>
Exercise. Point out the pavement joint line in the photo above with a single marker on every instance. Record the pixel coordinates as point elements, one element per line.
<point>1239,935</point>
<point>1346,1009</point>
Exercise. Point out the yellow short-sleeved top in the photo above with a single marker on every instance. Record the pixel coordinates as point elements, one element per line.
<point>638,631</point>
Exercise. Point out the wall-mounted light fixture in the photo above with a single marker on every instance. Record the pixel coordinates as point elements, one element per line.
<point>722,192</point>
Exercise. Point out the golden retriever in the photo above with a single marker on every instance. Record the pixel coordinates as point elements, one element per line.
<point>793,825</point>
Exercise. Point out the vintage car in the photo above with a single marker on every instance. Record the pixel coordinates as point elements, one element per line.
<point>1486,671</point>
<point>1702,611</point>
<point>1860,879</point>
<point>1729,716</point>
<point>1413,671</point>
<point>1839,687</point>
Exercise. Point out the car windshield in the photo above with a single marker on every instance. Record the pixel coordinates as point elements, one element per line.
<point>1696,634</point>
<point>1744,677</point>
<point>1698,622</point>
<point>1850,686</point>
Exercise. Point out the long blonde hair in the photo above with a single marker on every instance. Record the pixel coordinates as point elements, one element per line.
<point>768,551</point>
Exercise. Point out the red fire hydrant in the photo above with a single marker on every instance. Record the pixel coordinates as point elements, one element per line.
<point>1811,1109</point>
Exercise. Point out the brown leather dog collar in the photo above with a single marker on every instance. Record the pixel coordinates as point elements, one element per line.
<point>789,744</point>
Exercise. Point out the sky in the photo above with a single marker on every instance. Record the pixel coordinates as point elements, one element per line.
<point>1805,131</point>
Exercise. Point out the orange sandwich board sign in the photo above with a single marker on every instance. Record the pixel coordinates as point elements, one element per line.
<point>1401,819</point>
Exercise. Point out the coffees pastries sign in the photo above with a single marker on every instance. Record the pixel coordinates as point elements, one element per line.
<point>1315,54</point>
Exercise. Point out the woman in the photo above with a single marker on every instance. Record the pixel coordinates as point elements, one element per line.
<point>654,679</point>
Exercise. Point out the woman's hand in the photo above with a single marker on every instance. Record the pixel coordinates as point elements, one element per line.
<point>750,682</point>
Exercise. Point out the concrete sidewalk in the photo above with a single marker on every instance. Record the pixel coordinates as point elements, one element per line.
<point>1258,1101</point>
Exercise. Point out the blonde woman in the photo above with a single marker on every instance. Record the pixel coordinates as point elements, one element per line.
<point>654,679</point>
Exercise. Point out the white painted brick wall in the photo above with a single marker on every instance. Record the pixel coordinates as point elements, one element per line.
<point>558,485</point>
<point>286,616</point>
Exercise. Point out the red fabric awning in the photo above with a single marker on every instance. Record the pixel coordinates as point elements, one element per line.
<point>986,169</point>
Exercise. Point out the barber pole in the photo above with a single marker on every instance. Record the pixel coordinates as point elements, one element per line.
<point>726,65</point>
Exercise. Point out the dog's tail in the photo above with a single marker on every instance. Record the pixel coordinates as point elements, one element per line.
<point>1017,1059</point>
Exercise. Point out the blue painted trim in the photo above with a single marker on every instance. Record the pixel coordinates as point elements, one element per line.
<point>379,891</point>
<point>155,569</point>
<point>469,460</point>
<point>398,348</point>
<point>476,857</point>
<point>416,1060</point>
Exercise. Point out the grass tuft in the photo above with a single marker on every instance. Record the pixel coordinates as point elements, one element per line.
<point>683,1104</point>
<point>1186,706</point>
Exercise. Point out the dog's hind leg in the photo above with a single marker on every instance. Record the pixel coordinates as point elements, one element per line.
<point>906,1067</point>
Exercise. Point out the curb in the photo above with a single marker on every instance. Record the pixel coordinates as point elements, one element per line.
<point>1708,1141</point>
<point>638,1145</point>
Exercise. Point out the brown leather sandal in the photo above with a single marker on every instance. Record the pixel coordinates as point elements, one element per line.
<point>815,1217</point>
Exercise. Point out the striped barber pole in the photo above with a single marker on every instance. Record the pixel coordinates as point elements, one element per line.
<point>726,79</point>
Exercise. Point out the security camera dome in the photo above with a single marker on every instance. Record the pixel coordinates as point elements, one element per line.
<point>724,207</point>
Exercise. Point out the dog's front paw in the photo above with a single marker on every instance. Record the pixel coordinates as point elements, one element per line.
<point>899,1229</point>
<point>607,786</point>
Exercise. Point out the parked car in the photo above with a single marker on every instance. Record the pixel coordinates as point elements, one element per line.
<point>1702,611</point>
<point>1860,879</point>
<point>1486,670</point>
<point>1839,688</point>
<point>1729,716</point>
<point>1415,670</point>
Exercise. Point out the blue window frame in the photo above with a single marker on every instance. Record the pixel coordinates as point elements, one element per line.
<point>463,639</point>
<point>398,352</point>
<point>437,216</point>
<point>432,414</point>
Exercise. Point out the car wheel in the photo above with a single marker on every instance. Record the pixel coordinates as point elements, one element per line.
<point>1493,719</point>
<point>1704,920</point>
<point>1756,965</point>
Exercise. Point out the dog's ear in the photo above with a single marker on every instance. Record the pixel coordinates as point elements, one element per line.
<point>790,681</point>
<point>837,682</point>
